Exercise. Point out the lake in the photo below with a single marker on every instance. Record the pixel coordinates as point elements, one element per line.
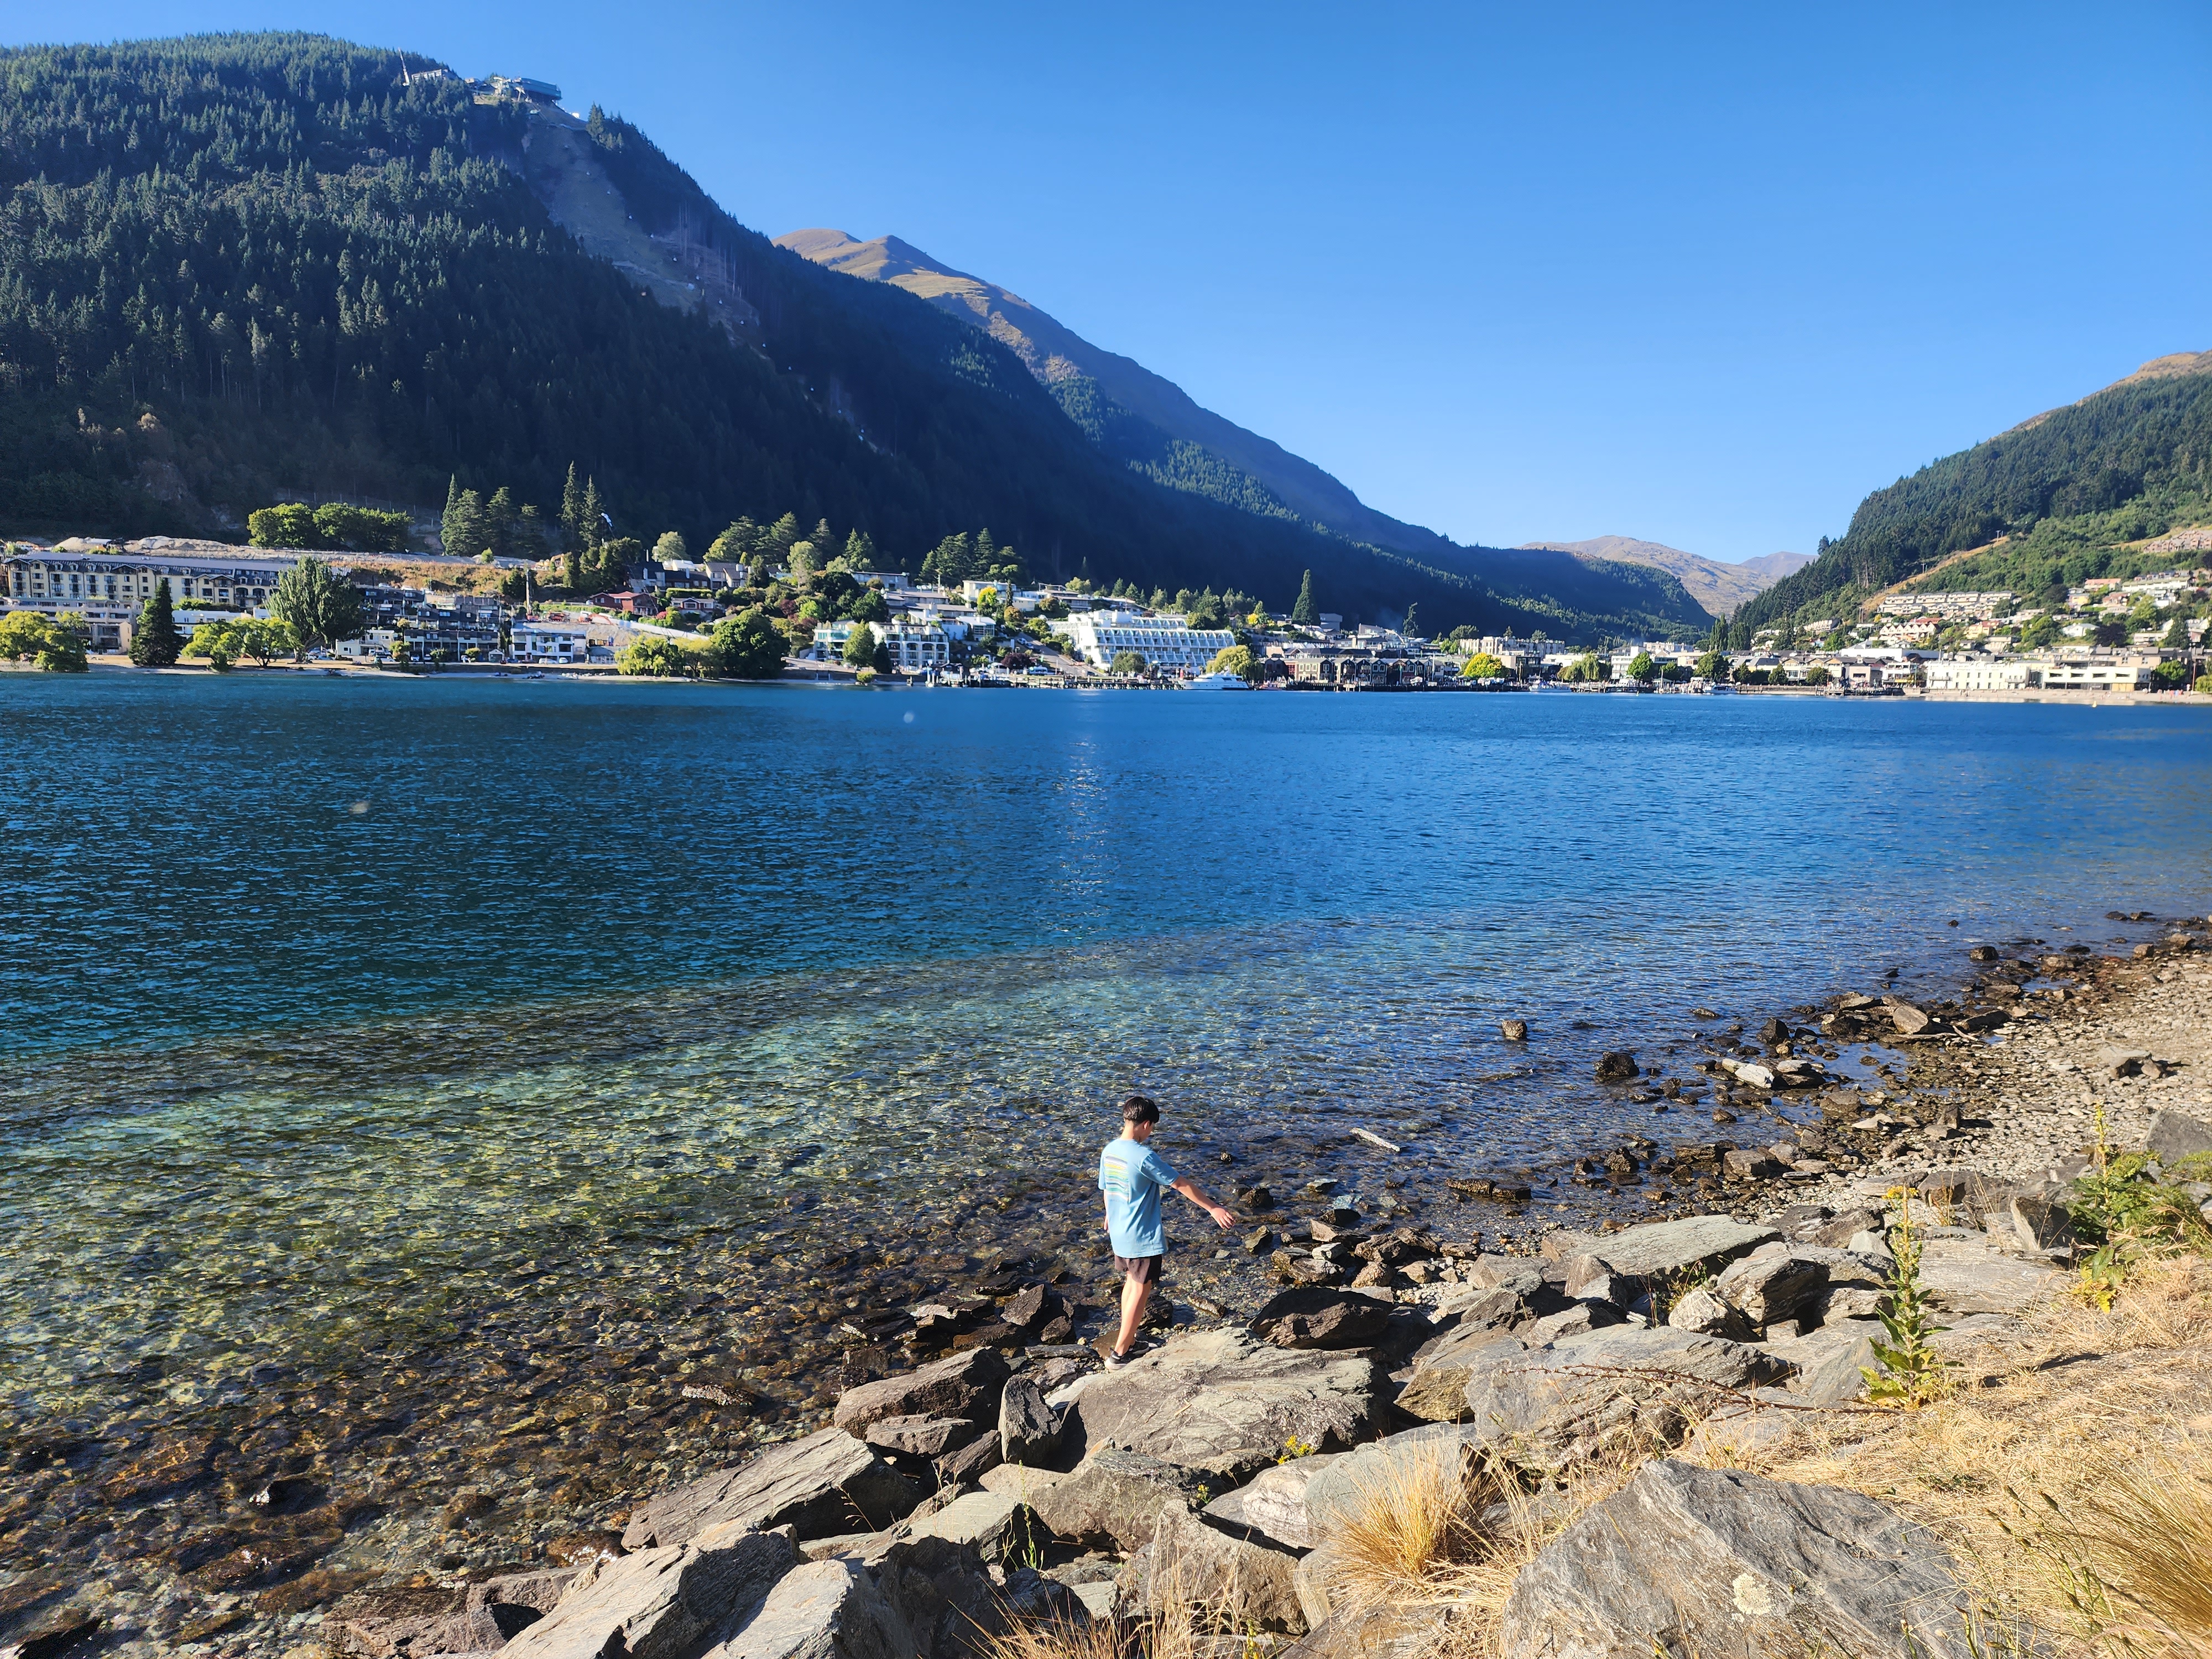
<point>422,1081</point>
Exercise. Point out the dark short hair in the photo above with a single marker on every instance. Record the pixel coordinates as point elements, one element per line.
<point>1138,1109</point>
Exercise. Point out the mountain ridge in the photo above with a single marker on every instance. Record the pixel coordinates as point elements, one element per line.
<point>1055,354</point>
<point>1719,587</point>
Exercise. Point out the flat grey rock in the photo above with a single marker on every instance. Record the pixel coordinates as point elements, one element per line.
<point>2176,1135</point>
<point>824,1610</point>
<point>1623,1389</point>
<point>919,1437</point>
<point>1970,1275</point>
<point>1223,1402</point>
<point>1775,1282</point>
<point>1701,1311</point>
<point>823,1485</point>
<point>1113,1497</point>
<point>964,1384</point>
<point>1242,1584</point>
<point>1028,1432</point>
<point>1662,1249</point>
<point>1340,1489</point>
<point>1687,1560</point>
<point>663,1603</point>
<point>1273,1502</point>
<point>997,1527</point>
<point>1829,1361</point>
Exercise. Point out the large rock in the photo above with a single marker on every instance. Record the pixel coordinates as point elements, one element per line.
<point>964,1384</point>
<point>1773,1283</point>
<point>829,1610</point>
<point>1112,1498</point>
<point>1236,1583</point>
<point>1701,1311</point>
<point>1831,1361</point>
<point>1318,1316</point>
<point>394,1621</point>
<point>1028,1431</point>
<point>1437,1391</point>
<point>920,1436</point>
<point>2039,1222</point>
<point>1381,1467</point>
<point>661,1603</point>
<point>2176,1135</point>
<point>1225,1403</point>
<point>1618,1066</point>
<point>1273,1502</point>
<point>1687,1560</point>
<point>1623,1389</point>
<point>997,1526</point>
<point>826,1484</point>
<point>940,1591</point>
<point>1968,1275</point>
<point>1666,1249</point>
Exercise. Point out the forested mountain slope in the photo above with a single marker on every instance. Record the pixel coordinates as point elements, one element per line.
<point>1141,418</point>
<point>2064,491</point>
<point>235,269</point>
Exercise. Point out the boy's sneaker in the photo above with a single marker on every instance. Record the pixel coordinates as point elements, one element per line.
<point>1115,1361</point>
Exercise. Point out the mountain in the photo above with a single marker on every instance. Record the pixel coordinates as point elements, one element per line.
<point>1239,466</point>
<point>1720,588</point>
<point>2072,493</point>
<point>241,269</point>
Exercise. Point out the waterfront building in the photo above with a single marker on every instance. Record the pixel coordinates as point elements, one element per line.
<point>1946,607</point>
<point>1167,643</point>
<point>549,644</point>
<point>1978,674</point>
<point>108,586</point>
<point>914,648</point>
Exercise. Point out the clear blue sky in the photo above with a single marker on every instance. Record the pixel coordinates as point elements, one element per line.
<point>1697,275</point>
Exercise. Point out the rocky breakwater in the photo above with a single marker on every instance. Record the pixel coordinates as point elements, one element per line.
<point>1219,1481</point>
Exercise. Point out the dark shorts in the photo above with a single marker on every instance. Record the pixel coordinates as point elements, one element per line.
<point>1139,1269</point>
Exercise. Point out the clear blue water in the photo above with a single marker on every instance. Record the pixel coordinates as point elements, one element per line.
<point>359,1029</point>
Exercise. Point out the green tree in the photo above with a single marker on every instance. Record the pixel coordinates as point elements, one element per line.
<point>1306,613</point>
<point>64,650</point>
<point>1642,669</point>
<point>1236,659</point>
<point>572,513</point>
<point>1411,627</point>
<point>2169,676</point>
<point>651,654</point>
<point>342,526</point>
<point>860,647</point>
<point>265,642</point>
<point>1482,667</point>
<point>670,549</point>
<point>2177,634</point>
<point>321,608</point>
<point>859,550</point>
<point>218,642</point>
<point>154,641</point>
<point>1130,663</point>
<point>55,643</point>
<point>2203,686</point>
<point>289,525</point>
<point>2040,633</point>
<point>1817,675</point>
<point>747,646</point>
<point>1712,665</point>
<point>466,528</point>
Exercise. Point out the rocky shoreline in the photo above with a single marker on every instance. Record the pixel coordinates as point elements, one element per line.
<point>976,1448</point>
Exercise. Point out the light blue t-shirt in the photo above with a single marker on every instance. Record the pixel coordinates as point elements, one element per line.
<point>1131,1175</point>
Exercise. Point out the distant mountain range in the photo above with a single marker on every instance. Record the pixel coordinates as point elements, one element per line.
<point>1720,588</point>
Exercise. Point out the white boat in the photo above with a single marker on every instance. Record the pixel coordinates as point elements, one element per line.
<point>1213,682</point>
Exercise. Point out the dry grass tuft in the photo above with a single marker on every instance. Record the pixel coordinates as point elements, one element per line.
<point>2138,1548</point>
<point>1056,1639</point>
<point>1416,1516</point>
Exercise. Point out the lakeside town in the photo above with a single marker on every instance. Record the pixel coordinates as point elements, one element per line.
<point>2136,635</point>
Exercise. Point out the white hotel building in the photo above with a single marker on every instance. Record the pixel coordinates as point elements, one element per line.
<point>1167,643</point>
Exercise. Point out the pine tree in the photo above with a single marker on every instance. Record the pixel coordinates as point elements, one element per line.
<point>572,512</point>
<point>500,522</point>
<point>1305,613</point>
<point>825,545</point>
<point>860,550</point>
<point>591,526</point>
<point>445,525</point>
<point>155,642</point>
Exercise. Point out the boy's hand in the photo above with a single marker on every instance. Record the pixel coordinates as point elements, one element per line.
<point>1222,1218</point>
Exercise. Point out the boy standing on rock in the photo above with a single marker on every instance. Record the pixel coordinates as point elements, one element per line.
<point>1131,1175</point>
